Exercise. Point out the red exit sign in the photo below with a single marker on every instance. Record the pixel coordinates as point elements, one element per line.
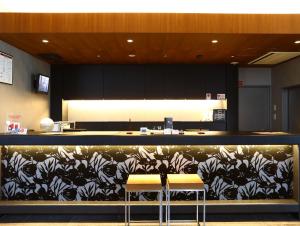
<point>241,83</point>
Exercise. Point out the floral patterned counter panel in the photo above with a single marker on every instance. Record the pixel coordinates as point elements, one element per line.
<point>99,172</point>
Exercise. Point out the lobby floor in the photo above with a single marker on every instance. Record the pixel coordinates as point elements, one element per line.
<point>155,224</point>
<point>108,220</point>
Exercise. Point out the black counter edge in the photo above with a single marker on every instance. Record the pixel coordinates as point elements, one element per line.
<point>148,140</point>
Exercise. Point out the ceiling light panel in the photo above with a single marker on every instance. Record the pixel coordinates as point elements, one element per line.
<point>272,58</point>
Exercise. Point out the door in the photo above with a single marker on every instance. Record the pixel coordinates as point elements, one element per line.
<point>294,110</point>
<point>254,108</point>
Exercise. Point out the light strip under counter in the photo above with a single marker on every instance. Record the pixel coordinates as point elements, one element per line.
<point>141,110</point>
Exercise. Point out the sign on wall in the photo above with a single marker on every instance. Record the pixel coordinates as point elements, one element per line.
<point>6,68</point>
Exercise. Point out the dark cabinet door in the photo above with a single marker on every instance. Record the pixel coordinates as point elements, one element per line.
<point>141,81</point>
<point>123,82</point>
<point>154,82</point>
<point>90,81</point>
<point>195,82</point>
<point>215,79</point>
<point>83,82</point>
<point>71,87</point>
<point>174,82</point>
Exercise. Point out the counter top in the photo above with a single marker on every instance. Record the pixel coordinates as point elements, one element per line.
<point>135,138</point>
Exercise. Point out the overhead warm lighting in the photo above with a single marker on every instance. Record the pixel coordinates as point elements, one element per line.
<point>232,56</point>
<point>45,41</point>
<point>98,56</point>
<point>132,55</point>
<point>214,41</point>
<point>297,42</point>
<point>130,40</point>
<point>154,6</point>
<point>234,63</point>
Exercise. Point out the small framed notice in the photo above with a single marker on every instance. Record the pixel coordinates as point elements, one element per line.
<point>6,68</point>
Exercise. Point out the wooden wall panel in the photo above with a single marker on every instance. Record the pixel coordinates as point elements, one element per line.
<point>149,23</point>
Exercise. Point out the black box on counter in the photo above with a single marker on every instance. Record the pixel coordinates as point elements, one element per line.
<point>219,115</point>
<point>168,123</point>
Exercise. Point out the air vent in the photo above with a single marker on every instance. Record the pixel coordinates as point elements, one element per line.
<point>51,57</point>
<point>275,57</point>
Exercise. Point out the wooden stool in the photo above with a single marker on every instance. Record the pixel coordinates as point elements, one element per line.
<point>142,183</point>
<point>184,182</point>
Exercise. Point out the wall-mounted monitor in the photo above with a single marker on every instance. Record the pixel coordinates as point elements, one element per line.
<point>42,83</point>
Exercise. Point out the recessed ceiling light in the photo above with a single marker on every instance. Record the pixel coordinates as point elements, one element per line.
<point>297,42</point>
<point>234,63</point>
<point>131,55</point>
<point>130,40</point>
<point>45,41</point>
<point>232,56</point>
<point>214,41</point>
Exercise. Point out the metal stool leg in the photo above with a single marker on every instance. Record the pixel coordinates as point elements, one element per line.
<point>128,208</point>
<point>204,207</point>
<point>197,208</point>
<point>125,208</point>
<point>166,208</point>
<point>169,207</point>
<point>160,207</point>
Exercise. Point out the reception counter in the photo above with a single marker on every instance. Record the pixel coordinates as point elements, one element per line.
<point>85,172</point>
<point>136,138</point>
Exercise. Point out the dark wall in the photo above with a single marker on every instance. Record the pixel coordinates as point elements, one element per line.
<point>144,82</point>
<point>293,109</point>
<point>284,76</point>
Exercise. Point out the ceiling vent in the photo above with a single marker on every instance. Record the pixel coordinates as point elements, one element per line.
<point>275,57</point>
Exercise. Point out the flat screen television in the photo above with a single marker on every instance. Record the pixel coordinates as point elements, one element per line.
<point>42,83</point>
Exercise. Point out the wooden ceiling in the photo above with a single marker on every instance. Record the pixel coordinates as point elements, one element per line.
<point>151,48</point>
<point>158,38</point>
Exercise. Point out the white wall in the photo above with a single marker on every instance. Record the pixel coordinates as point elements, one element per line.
<point>19,98</point>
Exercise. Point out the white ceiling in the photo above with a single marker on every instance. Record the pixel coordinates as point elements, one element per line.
<point>153,6</point>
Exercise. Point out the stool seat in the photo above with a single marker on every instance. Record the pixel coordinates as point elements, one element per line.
<point>185,181</point>
<point>144,182</point>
